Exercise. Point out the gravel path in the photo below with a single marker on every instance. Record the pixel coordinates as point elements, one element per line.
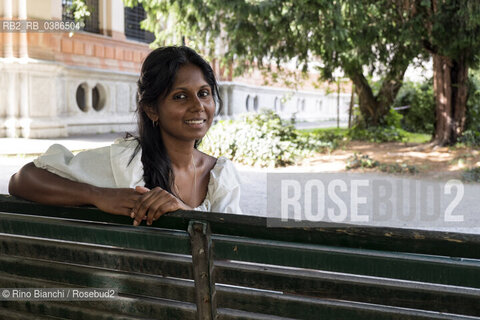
<point>262,190</point>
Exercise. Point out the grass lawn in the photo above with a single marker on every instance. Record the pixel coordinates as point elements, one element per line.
<point>341,131</point>
<point>411,137</point>
<point>417,137</point>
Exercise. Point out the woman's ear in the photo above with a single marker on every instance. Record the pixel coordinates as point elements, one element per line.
<point>151,113</point>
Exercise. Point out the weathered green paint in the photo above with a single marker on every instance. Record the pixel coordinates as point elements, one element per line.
<point>9,314</point>
<point>232,314</point>
<point>143,308</point>
<point>399,265</point>
<point>85,276</point>
<point>143,238</point>
<point>123,303</point>
<point>203,272</point>
<point>357,272</point>
<point>342,235</point>
<point>340,286</point>
<point>146,262</point>
<point>302,307</point>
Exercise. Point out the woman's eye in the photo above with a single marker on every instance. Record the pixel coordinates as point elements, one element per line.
<point>204,93</point>
<point>179,96</point>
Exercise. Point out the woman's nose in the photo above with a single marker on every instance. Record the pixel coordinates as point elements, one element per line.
<point>197,104</point>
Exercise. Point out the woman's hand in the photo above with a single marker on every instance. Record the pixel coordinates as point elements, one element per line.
<point>119,201</point>
<point>154,203</point>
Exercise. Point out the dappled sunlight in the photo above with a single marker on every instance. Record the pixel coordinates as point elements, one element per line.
<point>441,163</point>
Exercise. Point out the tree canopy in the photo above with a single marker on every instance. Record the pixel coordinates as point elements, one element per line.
<point>360,37</point>
<point>449,30</point>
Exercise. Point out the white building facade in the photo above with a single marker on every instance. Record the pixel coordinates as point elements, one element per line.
<point>58,84</point>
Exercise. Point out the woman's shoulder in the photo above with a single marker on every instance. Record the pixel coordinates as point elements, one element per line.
<point>127,167</point>
<point>224,174</point>
<point>126,143</point>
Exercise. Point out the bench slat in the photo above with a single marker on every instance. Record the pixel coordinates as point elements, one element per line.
<point>8,280</point>
<point>232,314</point>
<point>143,238</point>
<point>130,305</point>
<point>155,263</point>
<point>300,307</point>
<point>365,289</point>
<point>415,267</point>
<point>340,235</point>
<point>81,311</point>
<point>84,276</point>
<point>17,315</point>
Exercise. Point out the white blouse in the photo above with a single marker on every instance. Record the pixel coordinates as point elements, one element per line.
<point>107,167</point>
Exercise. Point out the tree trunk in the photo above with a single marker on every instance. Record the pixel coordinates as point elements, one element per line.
<point>375,108</point>
<point>366,100</point>
<point>450,87</point>
<point>350,107</point>
<point>460,97</point>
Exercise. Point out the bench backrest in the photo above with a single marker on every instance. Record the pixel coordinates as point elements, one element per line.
<point>241,269</point>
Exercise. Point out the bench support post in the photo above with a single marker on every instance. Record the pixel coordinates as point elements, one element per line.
<point>202,256</point>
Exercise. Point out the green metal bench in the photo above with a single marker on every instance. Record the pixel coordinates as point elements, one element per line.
<point>241,269</point>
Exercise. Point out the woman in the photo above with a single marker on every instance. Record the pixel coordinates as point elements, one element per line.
<point>159,171</point>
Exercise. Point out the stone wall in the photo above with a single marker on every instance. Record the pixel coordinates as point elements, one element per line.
<point>54,100</point>
<point>239,98</point>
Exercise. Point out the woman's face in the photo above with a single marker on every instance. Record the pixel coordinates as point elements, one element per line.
<point>186,113</point>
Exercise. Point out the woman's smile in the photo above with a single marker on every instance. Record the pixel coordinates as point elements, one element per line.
<point>196,123</point>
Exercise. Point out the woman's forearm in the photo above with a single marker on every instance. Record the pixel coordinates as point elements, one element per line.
<point>42,186</point>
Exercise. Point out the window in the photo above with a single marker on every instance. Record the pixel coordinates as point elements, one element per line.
<point>91,22</point>
<point>67,15</point>
<point>133,16</point>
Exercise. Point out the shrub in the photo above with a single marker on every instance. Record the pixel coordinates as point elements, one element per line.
<point>364,161</point>
<point>398,168</point>
<point>471,175</point>
<point>473,103</point>
<point>260,139</point>
<point>388,131</point>
<point>471,136</point>
<point>420,117</point>
<point>330,138</point>
<point>360,161</point>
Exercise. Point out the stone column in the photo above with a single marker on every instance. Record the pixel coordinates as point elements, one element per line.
<point>24,95</point>
<point>11,119</point>
<point>7,36</point>
<point>22,15</point>
<point>88,96</point>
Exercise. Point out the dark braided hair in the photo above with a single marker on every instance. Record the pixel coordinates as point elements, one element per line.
<point>156,80</point>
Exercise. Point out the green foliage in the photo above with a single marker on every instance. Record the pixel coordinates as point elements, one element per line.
<point>361,161</point>
<point>360,38</point>
<point>366,162</point>
<point>453,30</point>
<point>473,103</point>
<point>331,136</point>
<point>471,136</point>
<point>398,168</point>
<point>471,175</point>
<point>412,137</point>
<point>261,139</point>
<point>388,131</point>
<point>420,117</point>
<point>79,10</point>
